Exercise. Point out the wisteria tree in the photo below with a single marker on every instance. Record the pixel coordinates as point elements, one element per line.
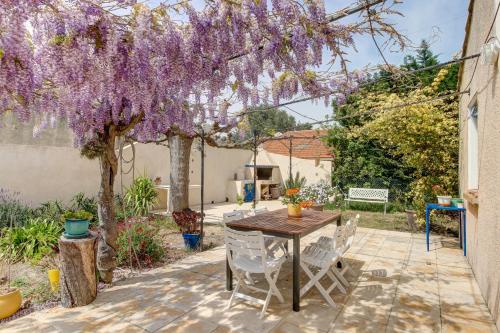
<point>117,68</point>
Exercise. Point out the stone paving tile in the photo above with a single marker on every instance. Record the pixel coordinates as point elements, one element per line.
<point>452,325</point>
<point>288,327</point>
<point>397,286</point>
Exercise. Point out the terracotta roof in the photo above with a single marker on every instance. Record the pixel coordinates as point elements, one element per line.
<point>306,144</point>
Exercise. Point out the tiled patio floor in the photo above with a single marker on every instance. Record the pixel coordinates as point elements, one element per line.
<point>398,287</point>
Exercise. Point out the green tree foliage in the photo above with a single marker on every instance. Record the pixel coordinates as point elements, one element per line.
<point>270,121</point>
<point>424,135</point>
<point>364,156</point>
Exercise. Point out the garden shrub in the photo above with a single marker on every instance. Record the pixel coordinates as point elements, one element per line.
<point>145,244</point>
<point>88,204</point>
<point>39,237</point>
<point>12,210</point>
<point>141,196</point>
<point>52,210</point>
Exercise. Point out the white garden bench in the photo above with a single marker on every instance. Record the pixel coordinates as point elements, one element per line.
<point>372,195</point>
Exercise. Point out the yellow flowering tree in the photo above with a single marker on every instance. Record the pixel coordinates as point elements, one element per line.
<point>424,135</point>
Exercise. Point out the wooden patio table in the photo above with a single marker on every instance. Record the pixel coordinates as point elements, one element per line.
<point>277,223</point>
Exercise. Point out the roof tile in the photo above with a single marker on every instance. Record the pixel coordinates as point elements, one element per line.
<point>306,144</point>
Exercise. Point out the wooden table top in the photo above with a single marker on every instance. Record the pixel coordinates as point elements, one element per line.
<point>277,222</point>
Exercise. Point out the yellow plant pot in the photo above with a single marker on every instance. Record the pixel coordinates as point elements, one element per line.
<point>294,210</point>
<point>10,303</point>
<point>54,279</point>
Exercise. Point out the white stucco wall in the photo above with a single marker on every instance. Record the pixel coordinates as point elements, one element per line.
<point>483,219</point>
<point>49,167</point>
<point>314,170</point>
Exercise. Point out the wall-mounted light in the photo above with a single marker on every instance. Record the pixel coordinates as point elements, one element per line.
<point>490,51</point>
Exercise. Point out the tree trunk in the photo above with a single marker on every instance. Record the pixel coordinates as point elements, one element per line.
<point>106,254</point>
<point>78,278</point>
<point>180,150</point>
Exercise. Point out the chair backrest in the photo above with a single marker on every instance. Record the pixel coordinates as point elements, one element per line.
<point>369,194</point>
<point>248,244</point>
<point>260,210</point>
<point>231,216</point>
<point>339,238</point>
<point>351,227</point>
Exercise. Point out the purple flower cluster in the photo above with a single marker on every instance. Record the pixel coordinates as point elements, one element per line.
<point>95,69</point>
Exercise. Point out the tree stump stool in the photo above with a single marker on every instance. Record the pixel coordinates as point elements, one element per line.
<point>78,270</point>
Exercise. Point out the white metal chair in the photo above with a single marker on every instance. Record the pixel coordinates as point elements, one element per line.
<point>342,241</point>
<point>247,253</point>
<point>259,210</point>
<point>317,261</point>
<point>231,216</point>
<point>273,243</point>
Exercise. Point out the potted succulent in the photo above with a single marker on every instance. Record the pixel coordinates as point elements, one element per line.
<point>442,197</point>
<point>76,224</point>
<point>317,194</point>
<point>188,222</point>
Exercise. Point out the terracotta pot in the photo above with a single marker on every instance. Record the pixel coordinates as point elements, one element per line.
<point>294,210</point>
<point>10,303</point>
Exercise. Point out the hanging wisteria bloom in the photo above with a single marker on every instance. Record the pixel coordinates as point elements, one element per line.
<point>95,67</point>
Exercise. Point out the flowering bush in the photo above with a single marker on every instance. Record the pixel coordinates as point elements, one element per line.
<point>188,221</point>
<point>142,239</point>
<point>317,193</point>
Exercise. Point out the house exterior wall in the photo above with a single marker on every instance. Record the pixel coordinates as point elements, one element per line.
<point>483,219</point>
<point>314,170</point>
<point>49,167</point>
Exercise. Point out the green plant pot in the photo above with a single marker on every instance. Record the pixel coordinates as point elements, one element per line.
<point>457,202</point>
<point>76,228</point>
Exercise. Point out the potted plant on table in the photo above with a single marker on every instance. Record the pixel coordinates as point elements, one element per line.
<point>76,224</point>
<point>189,223</point>
<point>292,197</point>
<point>442,197</point>
<point>317,195</point>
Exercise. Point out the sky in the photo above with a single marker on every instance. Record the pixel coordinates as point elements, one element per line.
<point>441,22</point>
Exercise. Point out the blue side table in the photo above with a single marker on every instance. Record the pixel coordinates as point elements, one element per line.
<point>463,227</point>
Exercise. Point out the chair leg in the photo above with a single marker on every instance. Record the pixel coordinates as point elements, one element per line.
<point>336,283</point>
<point>249,278</point>
<point>272,285</point>
<point>347,266</point>
<point>314,281</point>
<point>340,276</point>
<point>233,295</point>
<point>266,303</point>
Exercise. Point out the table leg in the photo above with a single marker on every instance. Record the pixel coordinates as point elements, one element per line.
<point>460,230</point>
<point>229,276</point>
<point>427,226</point>
<point>296,273</point>
<point>464,220</point>
<point>339,221</point>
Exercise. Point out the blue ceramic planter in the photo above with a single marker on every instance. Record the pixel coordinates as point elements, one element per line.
<point>191,240</point>
<point>76,228</point>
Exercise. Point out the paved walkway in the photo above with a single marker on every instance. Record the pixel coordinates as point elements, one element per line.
<point>398,287</point>
<point>214,212</point>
